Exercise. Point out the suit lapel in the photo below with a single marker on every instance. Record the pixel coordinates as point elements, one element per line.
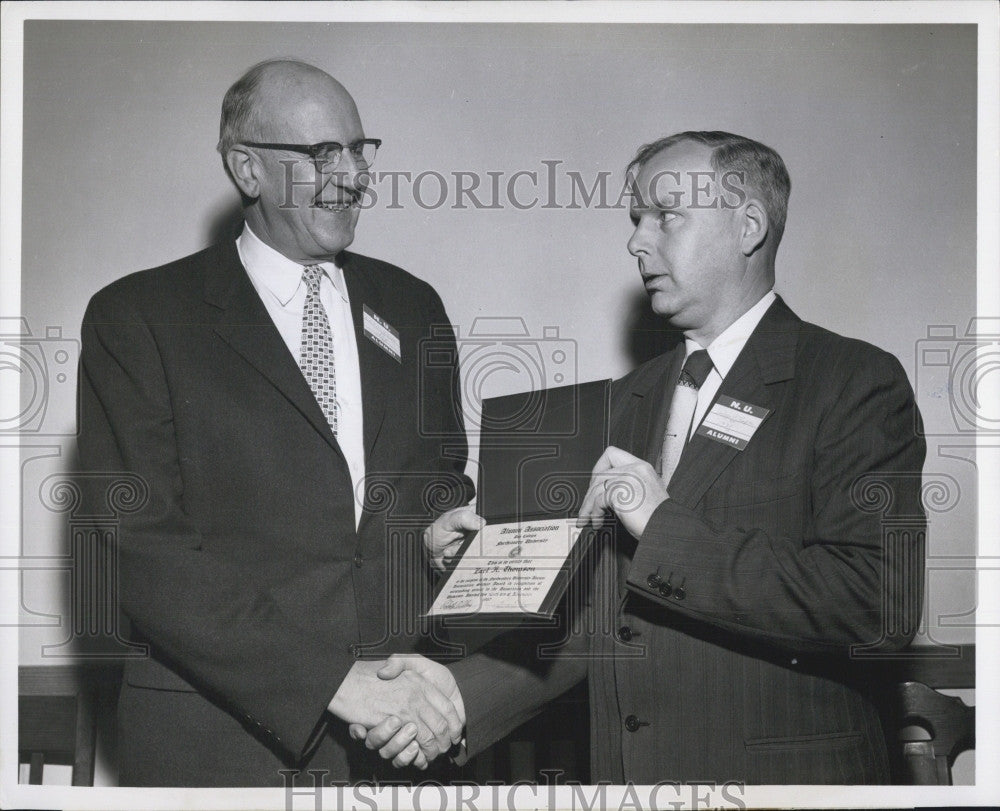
<point>648,404</point>
<point>703,458</point>
<point>655,408</point>
<point>767,358</point>
<point>245,325</point>
<point>379,372</point>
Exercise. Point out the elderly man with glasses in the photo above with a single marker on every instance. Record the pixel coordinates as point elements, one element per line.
<point>269,392</point>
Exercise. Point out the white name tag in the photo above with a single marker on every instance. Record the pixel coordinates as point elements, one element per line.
<point>381,333</point>
<point>732,422</point>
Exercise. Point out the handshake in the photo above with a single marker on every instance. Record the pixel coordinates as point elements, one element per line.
<point>409,707</point>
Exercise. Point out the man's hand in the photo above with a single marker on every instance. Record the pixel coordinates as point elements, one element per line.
<point>444,537</point>
<point>395,740</point>
<point>416,694</point>
<point>626,485</point>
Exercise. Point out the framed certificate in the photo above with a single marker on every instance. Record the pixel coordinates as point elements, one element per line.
<point>536,454</point>
<point>519,567</point>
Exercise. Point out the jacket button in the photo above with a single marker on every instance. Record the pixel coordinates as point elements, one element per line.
<point>359,561</point>
<point>653,580</point>
<point>632,723</point>
<point>625,634</point>
<point>679,593</point>
<point>665,589</point>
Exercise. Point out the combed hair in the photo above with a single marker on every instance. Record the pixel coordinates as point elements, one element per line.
<point>761,168</point>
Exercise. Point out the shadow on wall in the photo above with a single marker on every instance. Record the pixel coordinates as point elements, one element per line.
<point>648,334</point>
<point>225,223</point>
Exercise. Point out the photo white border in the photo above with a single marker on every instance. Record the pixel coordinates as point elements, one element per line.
<point>985,14</point>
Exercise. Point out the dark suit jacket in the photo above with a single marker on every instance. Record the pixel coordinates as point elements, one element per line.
<point>786,563</point>
<point>243,570</point>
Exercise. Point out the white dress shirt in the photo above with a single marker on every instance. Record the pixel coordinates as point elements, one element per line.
<point>278,281</point>
<point>723,351</point>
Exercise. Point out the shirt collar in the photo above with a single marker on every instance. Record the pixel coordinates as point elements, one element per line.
<point>276,272</point>
<point>730,342</point>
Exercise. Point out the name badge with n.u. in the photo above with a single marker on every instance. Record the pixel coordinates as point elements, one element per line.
<point>732,422</point>
<point>381,333</point>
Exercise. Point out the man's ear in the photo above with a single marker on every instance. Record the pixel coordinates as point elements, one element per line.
<point>755,226</point>
<point>243,169</point>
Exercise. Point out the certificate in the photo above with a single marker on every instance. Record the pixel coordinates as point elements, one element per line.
<point>537,450</point>
<point>511,568</point>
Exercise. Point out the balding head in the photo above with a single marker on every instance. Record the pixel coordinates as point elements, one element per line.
<point>268,93</point>
<point>271,120</point>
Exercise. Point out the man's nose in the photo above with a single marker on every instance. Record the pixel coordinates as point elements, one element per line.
<point>637,242</point>
<point>352,172</point>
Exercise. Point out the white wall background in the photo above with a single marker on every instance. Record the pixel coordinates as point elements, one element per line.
<point>877,125</point>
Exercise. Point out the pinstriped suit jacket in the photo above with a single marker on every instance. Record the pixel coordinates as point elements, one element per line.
<point>787,563</point>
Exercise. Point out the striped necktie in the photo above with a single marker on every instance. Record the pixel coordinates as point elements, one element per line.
<point>682,407</point>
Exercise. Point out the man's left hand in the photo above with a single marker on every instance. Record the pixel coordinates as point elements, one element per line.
<point>626,485</point>
<point>444,537</point>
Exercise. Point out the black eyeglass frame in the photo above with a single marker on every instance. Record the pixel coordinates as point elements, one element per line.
<point>315,150</point>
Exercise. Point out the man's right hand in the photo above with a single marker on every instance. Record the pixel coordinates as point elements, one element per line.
<point>409,695</point>
<point>395,740</point>
<point>444,537</point>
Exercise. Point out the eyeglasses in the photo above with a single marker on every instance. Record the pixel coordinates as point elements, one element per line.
<point>326,155</point>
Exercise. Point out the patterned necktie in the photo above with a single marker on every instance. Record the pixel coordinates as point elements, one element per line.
<point>682,408</point>
<point>316,354</point>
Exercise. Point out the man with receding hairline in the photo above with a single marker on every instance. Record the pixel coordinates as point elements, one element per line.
<point>254,387</point>
<point>751,574</point>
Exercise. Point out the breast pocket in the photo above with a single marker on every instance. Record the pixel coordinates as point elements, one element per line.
<point>736,492</point>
